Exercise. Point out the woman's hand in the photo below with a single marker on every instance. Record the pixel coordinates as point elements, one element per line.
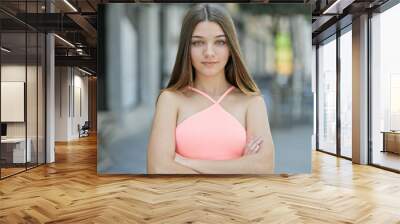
<point>252,146</point>
<point>184,161</point>
<point>180,159</point>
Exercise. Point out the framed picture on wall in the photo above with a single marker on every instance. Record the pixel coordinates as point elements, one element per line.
<point>12,101</point>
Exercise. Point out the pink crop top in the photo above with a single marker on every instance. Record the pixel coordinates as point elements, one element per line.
<point>211,134</point>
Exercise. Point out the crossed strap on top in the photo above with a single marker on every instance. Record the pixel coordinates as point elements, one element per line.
<point>208,97</point>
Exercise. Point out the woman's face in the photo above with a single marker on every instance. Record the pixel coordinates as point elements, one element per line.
<point>209,51</point>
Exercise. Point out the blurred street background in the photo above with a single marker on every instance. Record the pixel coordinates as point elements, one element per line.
<point>141,42</point>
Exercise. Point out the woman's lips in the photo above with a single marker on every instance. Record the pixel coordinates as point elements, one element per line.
<point>209,63</point>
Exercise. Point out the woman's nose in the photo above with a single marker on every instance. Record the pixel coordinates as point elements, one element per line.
<point>209,51</point>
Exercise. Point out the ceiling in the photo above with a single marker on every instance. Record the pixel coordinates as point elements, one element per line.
<point>78,26</point>
<point>330,15</point>
<point>76,22</point>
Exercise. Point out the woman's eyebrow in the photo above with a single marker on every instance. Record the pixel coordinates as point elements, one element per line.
<point>196,36</point>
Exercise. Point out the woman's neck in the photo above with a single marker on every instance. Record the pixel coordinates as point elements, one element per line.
<point>213,86</point>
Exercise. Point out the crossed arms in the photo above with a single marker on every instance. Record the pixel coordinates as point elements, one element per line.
<point>162,158</point>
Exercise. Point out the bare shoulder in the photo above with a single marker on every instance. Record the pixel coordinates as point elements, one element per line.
<point>169,98</point>
<point>168,95</point>
<point>256,115</point>
<point>248,100</point>
<point>257,101</point>
<point>256,110</point>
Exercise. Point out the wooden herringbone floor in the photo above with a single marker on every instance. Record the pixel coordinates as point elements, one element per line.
<point>70,191</point>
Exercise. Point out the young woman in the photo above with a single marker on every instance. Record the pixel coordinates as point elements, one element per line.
<point>211,117</point>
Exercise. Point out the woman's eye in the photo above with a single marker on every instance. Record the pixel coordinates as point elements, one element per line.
<point>220,42</point>
<point>197,43</point>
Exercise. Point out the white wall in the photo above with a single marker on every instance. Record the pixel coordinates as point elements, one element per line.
<point>80,83</point>
<point>70,83</point>
<point>61,103</point>
<point>12,73</point>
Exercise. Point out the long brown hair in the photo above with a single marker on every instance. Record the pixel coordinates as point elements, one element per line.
<point>235,70</point>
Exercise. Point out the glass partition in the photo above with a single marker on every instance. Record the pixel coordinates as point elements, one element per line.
<point>13,109</point>
<point>22,88</point>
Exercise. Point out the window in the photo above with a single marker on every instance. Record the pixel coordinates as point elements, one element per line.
<point>346,94</point>
<point>385,87</point>
<point>327,96</point>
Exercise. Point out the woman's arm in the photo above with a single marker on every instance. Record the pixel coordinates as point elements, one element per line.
<point>161,148</point>
<point>261,162</point>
